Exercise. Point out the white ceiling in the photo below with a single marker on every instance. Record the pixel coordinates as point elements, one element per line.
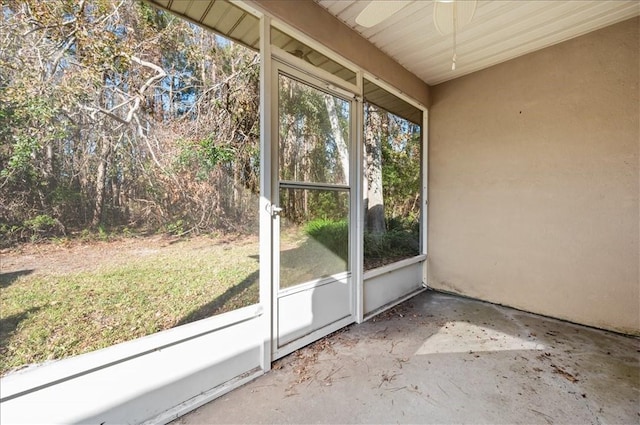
<point>499,31</point>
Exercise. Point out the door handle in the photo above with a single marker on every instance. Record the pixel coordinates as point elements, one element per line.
<point>274,210</point>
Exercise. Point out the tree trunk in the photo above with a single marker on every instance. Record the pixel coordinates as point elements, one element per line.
<point>101,174</point>
<point>341,144</point>
<point>373,173</point>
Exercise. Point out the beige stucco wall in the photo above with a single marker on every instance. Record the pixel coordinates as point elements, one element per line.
<point>534,181</point>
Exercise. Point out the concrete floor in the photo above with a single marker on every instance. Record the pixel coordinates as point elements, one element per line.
<point>444,359</point>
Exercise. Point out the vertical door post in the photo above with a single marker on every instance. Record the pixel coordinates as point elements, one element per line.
<point>266,230</point>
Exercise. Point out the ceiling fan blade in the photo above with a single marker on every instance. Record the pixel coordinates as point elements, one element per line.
<point>379,10</point>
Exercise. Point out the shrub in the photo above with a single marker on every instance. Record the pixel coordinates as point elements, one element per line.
<point>43,226</point>
<point>401,240</point>
<point>9,234</point>
<point>332,234</point>
<point>176,228</point>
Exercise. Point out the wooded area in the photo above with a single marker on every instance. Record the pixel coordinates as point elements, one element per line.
<point>118,115</point>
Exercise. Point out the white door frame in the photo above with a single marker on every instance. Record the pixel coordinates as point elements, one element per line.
<point>349,278</point>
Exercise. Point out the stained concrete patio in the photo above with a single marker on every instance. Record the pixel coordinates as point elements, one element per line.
<point>439,358</point>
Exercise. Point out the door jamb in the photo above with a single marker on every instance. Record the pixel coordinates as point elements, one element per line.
<point>266,294</point>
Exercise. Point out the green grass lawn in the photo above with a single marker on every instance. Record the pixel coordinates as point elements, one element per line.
<point>303,258</point>
<point>52,313</point>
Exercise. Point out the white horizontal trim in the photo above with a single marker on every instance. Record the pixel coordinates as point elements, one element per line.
<point>44,375</point>
<point>289,184</point>
<point>341,277</point>
<point>394,266</point>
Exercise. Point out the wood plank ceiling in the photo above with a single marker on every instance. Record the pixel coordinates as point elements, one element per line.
<point>499,31</point>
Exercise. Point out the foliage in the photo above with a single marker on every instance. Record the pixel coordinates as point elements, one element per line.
<point>42,226</point>
<point>401,170</point>
<point>393,244</point>
<point>393,184</point>
<point>8,234</point>
<point>400,240</point>
<point>106,126</point>
<point>313,138</point>
<point>334,235</point>
<point>97,100</point>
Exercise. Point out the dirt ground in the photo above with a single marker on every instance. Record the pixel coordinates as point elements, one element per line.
<point>78,256</point>
<point>74,256</point>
